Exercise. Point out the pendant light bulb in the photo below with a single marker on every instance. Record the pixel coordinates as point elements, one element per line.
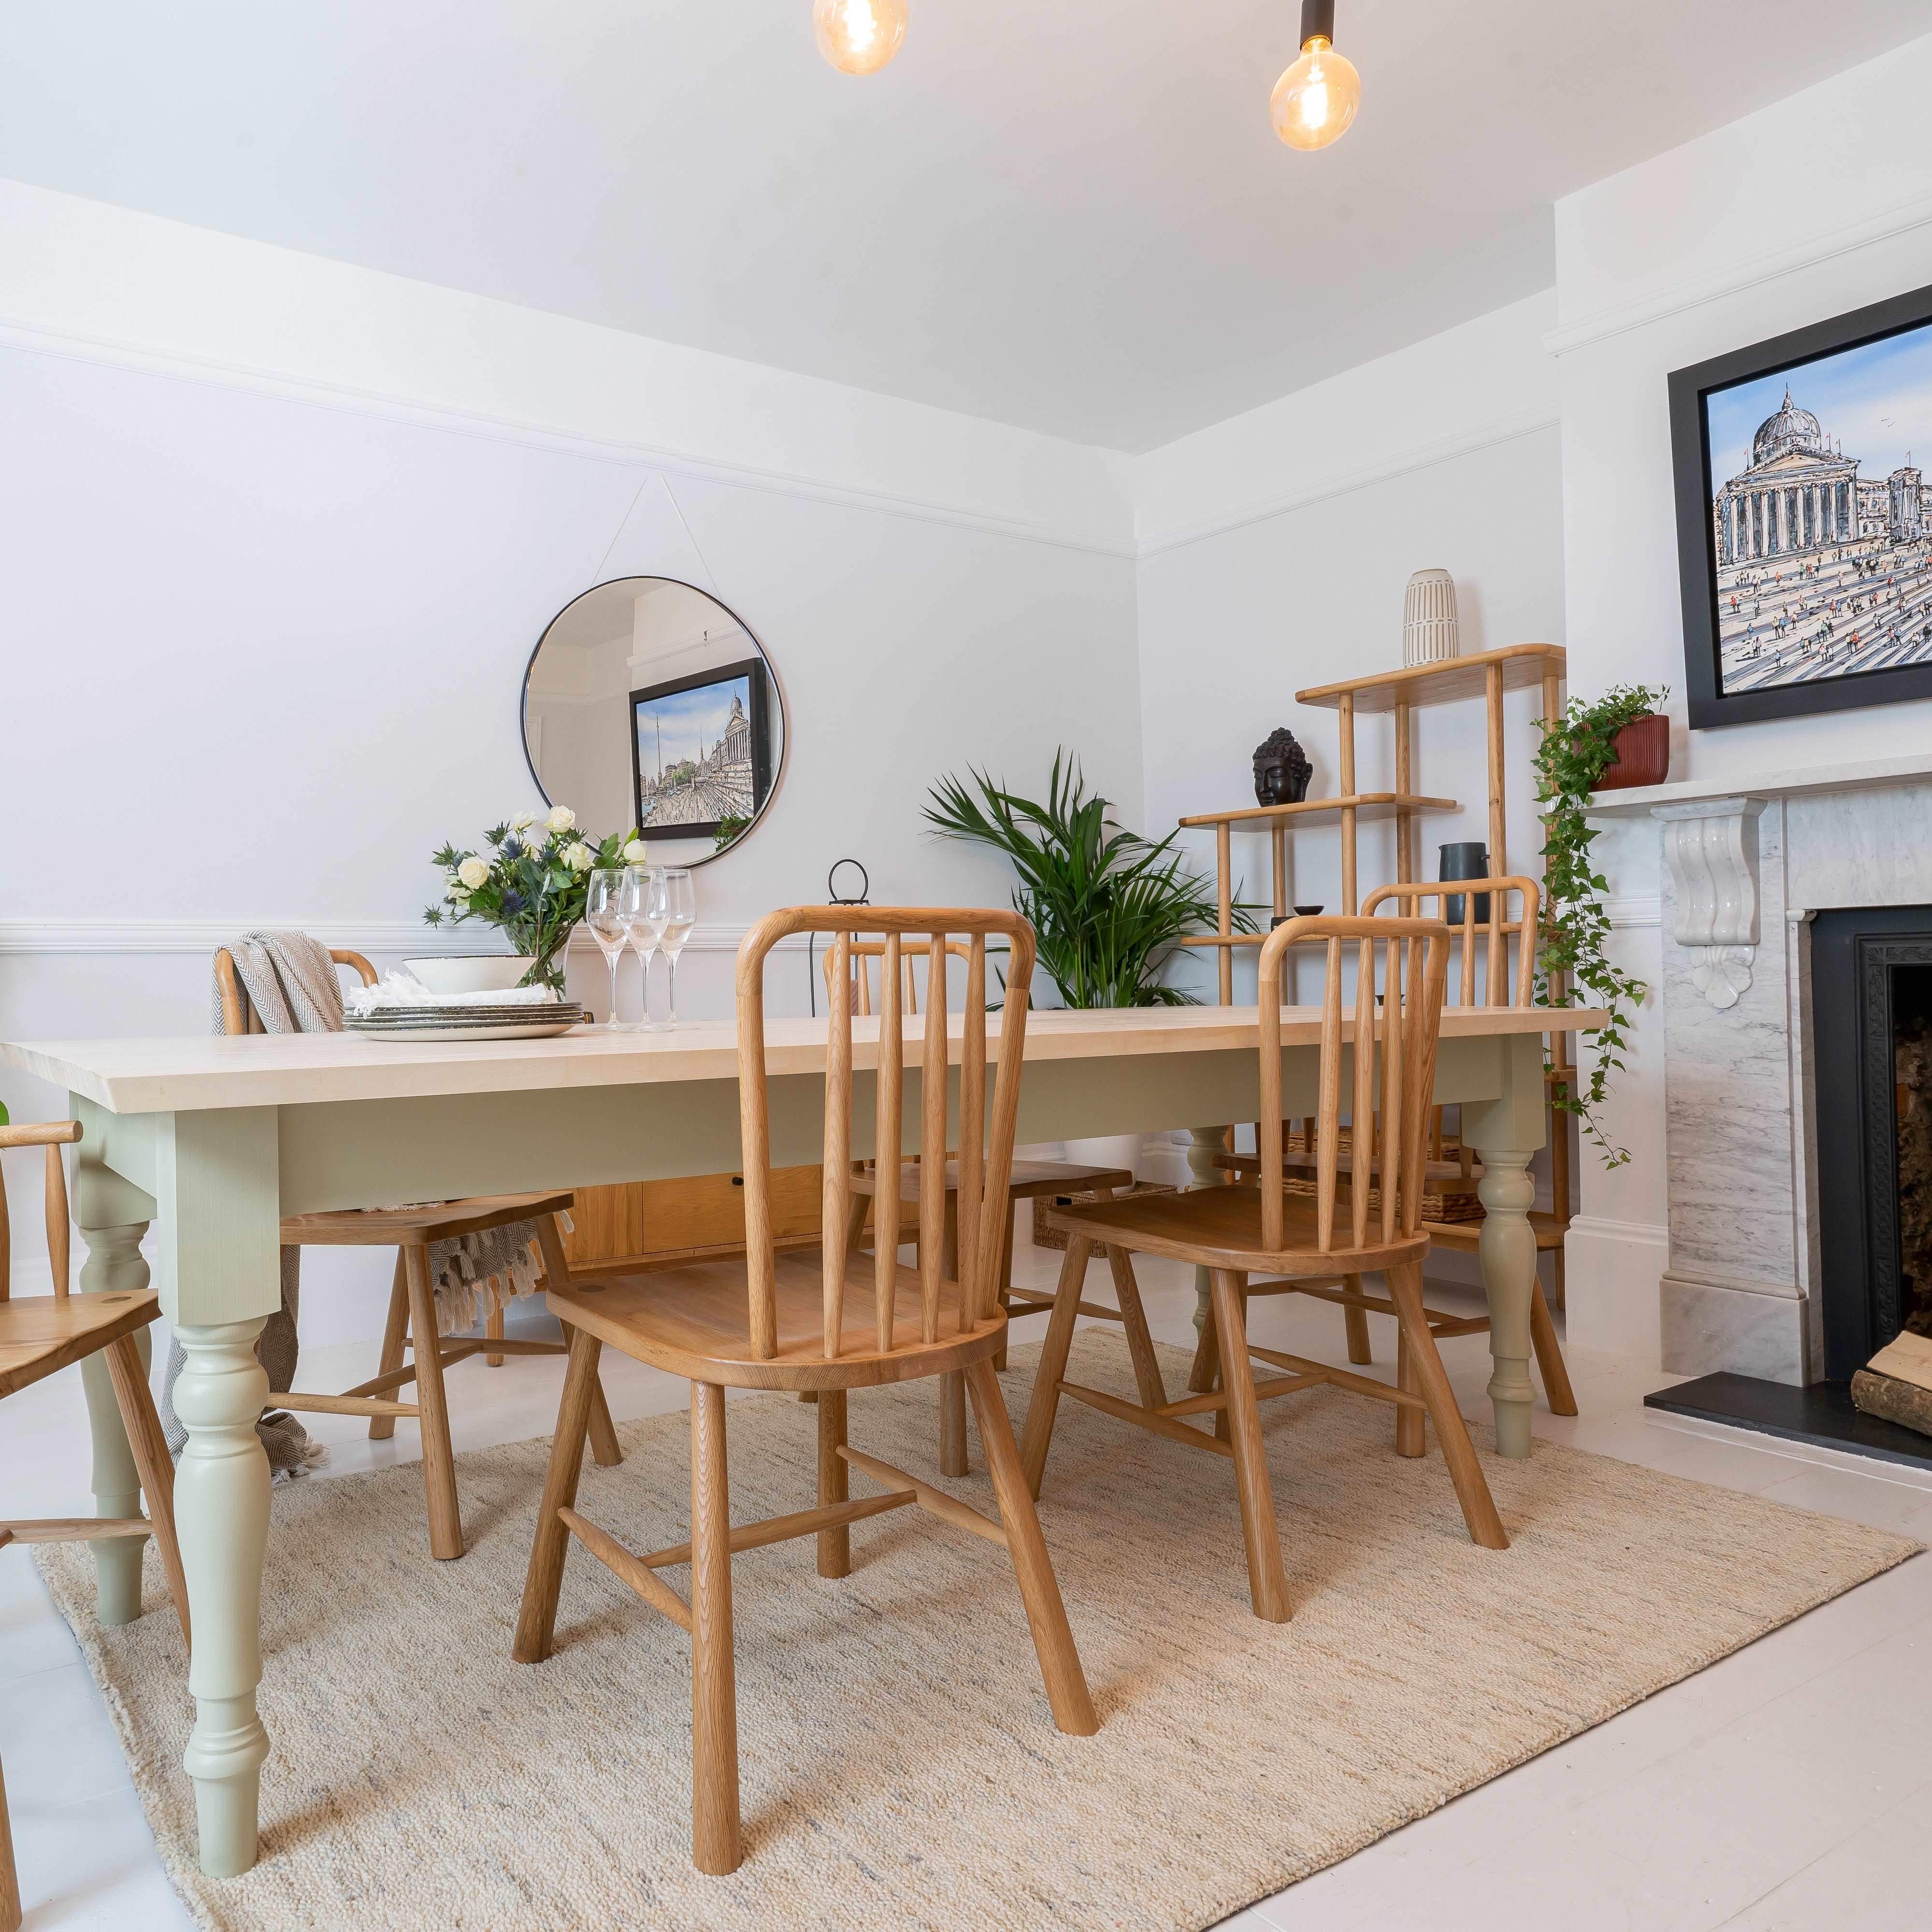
<point>859,36</point>
<point>1315,99</point>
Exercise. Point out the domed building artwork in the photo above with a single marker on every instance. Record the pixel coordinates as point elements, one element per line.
<point>702,764</point>
<point>1822,532</point>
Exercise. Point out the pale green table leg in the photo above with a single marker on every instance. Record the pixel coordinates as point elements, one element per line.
<point>216,1179</point>
<point>1203,1143</point>
<point>114,1261</point>
<point>221,1514</point>
<point>1505,1132</point>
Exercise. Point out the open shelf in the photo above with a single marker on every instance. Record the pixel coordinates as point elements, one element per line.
<point>1368,806</point>
<point>1452,681</point>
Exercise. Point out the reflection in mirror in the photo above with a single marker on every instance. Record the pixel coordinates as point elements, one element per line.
<point>647,703</point>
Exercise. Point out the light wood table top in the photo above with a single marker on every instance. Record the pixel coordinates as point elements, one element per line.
<point>186,1076</point>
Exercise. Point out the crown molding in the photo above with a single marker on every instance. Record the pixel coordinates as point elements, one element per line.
<point>74,346</point>
<point>1626,912</point>
<point>1713,284</point>
<point>1343,482</point>
<point>403,938</point>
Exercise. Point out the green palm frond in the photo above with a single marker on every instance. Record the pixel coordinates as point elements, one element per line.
<point>1108,905</point>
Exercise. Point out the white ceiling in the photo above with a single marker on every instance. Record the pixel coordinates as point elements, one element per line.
<point>1071,214</point>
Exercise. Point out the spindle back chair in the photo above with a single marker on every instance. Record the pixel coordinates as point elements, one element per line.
<point>1504,941</point>
<point>1027,1181</point>
<point>773,1320</point>
<point>105,1331</point>
<point>412,1325</point>
<point>1377,1064</point>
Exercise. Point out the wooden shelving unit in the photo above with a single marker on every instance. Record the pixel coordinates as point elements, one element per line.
<point>1400,693</point>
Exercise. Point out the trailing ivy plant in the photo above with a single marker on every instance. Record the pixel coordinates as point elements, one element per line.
<point>1109,906</point>
<point>1577,748</point>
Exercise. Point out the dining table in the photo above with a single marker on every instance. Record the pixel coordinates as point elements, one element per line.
<point>212,1141</point>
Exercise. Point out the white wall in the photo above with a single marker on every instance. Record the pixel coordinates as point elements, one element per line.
<point>277,537</point>
<point>1276,549</point>
<point>1817,205</point>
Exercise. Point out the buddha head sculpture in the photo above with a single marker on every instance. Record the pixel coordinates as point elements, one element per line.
<point>1282,769</point>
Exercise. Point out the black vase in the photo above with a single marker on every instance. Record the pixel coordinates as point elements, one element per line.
<point>1469,859</point>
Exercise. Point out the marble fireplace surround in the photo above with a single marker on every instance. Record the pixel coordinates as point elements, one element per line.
<point>1740,867</point>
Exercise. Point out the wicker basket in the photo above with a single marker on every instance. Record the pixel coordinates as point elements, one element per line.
<point>1044,1236</point>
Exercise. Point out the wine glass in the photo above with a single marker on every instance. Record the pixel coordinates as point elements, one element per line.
<point>672,909</point>
<point>644,935</point>
<point>611,890</point>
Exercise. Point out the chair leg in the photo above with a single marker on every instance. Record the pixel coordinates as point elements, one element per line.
<point>1472,1490</point>
<point>952,1459</point>
<point>1411,1430</point>
<point>536,1621</point>
<point>834,1546</point>
<point>1133,1318</point>
<point>1045,1399</point>
<point>394,1333</point>
<point>1005,1289</point>
<point>1549,1353</point>
<point>493,1323</point>
<point>603,1431</point>
<point>715,1844</point>
<point>445,1517</point>
<point>1356,1321</point>
<point>138,1417</point>
<point>1267,1581</point>
<point>1046,1615</point>
<point>9,1877</point>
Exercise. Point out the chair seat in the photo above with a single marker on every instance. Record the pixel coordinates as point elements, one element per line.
<point>43,1333</point>
<point>1221,1228</point>
<point>693,1322</point>
<point>417,1226</point>
<point>1029,1178</point>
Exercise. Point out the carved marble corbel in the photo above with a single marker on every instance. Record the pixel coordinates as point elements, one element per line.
<point>1711,850</point>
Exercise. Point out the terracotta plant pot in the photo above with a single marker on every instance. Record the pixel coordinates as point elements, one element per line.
<point>1641,754</point>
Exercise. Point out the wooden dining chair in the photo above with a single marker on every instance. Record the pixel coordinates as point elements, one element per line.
<point>1502,942</point>
<point>1238,1233</point>
<point>774,1320</point>
<point>1030,1180</point>
<point>41,1334</point>
<point>412,1231</point>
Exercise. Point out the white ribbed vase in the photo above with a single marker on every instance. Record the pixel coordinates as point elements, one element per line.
<point>1428,618</point>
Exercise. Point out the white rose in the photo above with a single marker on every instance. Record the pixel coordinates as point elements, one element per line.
<point>635,853</point>
<point>561,818</point>
<point>523,820</point>
<point>578,857</point>
<point>473,873</point>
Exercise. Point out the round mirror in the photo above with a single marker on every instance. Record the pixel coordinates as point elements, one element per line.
<point>647,703</point>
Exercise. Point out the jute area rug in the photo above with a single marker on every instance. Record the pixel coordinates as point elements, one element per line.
<point>899,1766</point>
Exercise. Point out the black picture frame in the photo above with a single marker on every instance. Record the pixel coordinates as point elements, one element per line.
<point>756,675</point>
<point>1690,390</point>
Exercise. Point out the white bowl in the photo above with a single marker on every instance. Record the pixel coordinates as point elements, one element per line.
<point>471,972</point>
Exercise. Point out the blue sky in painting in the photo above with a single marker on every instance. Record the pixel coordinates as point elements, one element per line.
<point>1875,402</point>
<point>692,722</point>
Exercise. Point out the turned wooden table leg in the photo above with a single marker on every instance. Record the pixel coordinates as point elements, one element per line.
<point>221,1518</point>
<point>114,1261</point>
<point>1203,1143</point>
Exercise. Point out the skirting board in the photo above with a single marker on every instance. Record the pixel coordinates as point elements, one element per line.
<point>1612,1270</point>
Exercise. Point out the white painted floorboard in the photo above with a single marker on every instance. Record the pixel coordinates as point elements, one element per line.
<point>1782,1790</point>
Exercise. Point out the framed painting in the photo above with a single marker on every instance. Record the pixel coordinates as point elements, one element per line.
<point>700,752</point>
<point>1804,523</point>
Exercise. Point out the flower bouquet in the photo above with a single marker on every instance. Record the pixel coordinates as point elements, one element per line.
<point>532,885</point>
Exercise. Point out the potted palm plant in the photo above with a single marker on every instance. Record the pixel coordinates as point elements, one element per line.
<point>1108,907</point>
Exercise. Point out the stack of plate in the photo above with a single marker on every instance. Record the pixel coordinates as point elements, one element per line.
<point>511,1020</point>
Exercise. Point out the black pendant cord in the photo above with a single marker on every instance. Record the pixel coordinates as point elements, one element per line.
<point>1317,16</point>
